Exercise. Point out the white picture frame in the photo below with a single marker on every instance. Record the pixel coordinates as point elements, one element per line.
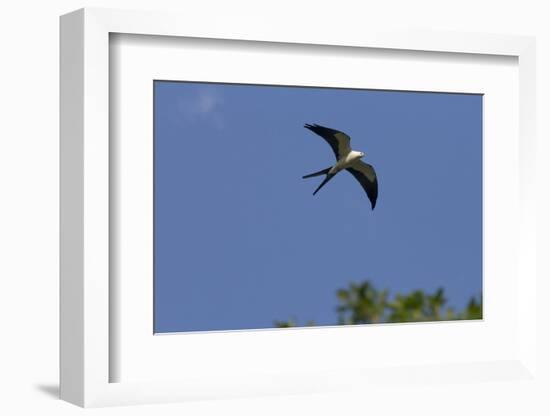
<point>87,301</point>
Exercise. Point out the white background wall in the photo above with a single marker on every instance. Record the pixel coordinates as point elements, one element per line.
<point>29,203</point>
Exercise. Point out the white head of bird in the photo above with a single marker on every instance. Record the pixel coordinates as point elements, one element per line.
<point>354,155</point>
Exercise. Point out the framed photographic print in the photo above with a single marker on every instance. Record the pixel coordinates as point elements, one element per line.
<point>281,213</point>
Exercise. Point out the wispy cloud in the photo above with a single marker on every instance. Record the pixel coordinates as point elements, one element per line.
<point>205,105</point>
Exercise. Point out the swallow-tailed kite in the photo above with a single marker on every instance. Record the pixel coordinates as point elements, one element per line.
<point>347,159</point>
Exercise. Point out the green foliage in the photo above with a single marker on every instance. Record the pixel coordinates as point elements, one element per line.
<point>362,303</point>
<point>473,309</point>
<point>290,323</point>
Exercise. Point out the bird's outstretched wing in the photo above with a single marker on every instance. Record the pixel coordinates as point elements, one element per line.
<point>338,141</point>
<point>366,176</point>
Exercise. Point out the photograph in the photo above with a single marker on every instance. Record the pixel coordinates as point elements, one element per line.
<point>280,206</point>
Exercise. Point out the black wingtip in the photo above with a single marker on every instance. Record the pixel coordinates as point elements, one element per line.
<point>311,126</point>
<point>316,128</point>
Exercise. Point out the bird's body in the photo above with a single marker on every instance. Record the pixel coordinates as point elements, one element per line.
<point>347,159</point>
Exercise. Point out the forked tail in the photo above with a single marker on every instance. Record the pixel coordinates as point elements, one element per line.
<point>327,178</point>
<point>321,172</point>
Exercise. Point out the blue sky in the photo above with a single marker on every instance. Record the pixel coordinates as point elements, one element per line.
<point>239,239</point>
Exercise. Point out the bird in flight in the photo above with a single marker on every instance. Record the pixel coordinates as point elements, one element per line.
<point>347,159</point>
